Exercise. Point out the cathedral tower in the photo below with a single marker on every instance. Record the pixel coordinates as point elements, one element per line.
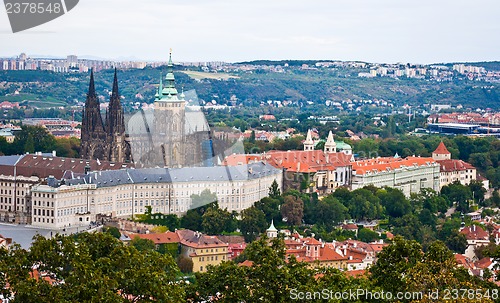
<point>93,137</point>
<point>119,149</point>
<point>170,119</point>
<point>104,141</point>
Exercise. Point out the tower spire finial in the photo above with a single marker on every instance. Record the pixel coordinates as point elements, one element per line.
<point>170,63</point>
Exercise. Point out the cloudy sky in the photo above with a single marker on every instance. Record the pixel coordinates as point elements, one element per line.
<point>417,31</point>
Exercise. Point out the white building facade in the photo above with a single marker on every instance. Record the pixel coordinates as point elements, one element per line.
<point>125,193</point>
<point>409,175</point>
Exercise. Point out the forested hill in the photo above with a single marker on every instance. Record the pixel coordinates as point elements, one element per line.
<point>253,86</point>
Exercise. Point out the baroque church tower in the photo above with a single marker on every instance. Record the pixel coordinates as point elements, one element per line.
<point>104,141</point>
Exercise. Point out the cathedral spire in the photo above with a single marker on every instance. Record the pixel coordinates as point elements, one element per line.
<point>93,135</point>
<point>170,63</point>
<point>115,95</point>
<point>168,92</point>
<point>114,116</point>
<point>91,93</point>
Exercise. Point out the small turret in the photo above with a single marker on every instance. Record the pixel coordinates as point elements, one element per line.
<point>309,143</point>
<point>272,232</point>
<point>330,146</point>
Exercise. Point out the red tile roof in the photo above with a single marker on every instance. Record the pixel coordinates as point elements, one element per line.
<point>246,263</point>
<point>307,161</point>
<point>199,240</point>
<point>377,247</point>
<point>350,226</point>
<point>441,149</point>
<point>328,254</point>
<point>163,238</point>
<point>475,232</point>
<point>464,261</point>
<point>355,273</point>
<point>388,164</point>
<point>454,165</point>
<point>484,263</point>
<point>311,241</point>
<point>44,166</point>
<point>239,159</point>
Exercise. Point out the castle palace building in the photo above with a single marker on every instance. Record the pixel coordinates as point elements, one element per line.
<point>104,141</point>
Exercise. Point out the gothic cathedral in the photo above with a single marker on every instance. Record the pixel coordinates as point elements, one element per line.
<point>104,141</point>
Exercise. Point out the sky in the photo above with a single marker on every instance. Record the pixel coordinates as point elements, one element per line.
<point>382,31</point>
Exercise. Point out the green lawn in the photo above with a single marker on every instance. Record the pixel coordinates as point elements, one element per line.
<point>34,100</point>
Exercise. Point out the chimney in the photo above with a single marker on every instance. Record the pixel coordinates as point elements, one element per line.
<point>54,154</point>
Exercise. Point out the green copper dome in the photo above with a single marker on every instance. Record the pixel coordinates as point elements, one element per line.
<point>167,91</point>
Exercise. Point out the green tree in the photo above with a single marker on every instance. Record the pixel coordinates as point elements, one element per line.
<point>274,190</point>
<point>252,137</point>
<point>477,190</point>
<point>29,145</point>
<point>115,232</point>
<point>293,210</point>
<point>367,235</point>
<point>192,220</point>
<point>456,242</point>
<point>252,223</point>
<point>394,201</point>
<point>456,192</point>
<point>394,262</point>
<point>270,207</point>
<point>142,244</point>
<point>185,264</point>
<point>364,205</point>
<point>93,267</point>
<point>329,211</point>
<point>215,221</point>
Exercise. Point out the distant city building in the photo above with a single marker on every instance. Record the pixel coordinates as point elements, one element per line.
<point>8,134</point>
<point>453,128</point>
<point>56,126</point>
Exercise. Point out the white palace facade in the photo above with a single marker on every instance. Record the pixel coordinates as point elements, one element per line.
<point>125,193</point>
